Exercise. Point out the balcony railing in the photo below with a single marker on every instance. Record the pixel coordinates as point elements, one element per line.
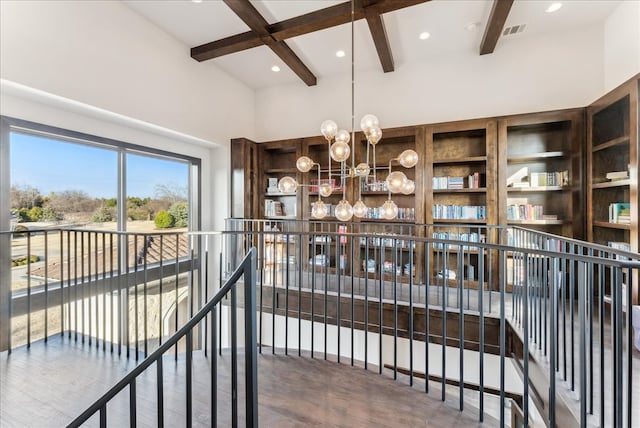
<point>462,309</point>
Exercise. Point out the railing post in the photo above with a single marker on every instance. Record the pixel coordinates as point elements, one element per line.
<point>250,344</point>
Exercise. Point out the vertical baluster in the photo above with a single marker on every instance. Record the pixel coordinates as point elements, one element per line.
<point>286,298</point>
<point>554,344</point>
<point>503,284</point>
<point>445,296</point>
<point>87,286</point>
<point>160,391</point>
<point>177,268</point>
<point>46,286</point>
<point>353,274</point>
<point>366,302</point>
<point>214,369</point>
<point>582,320</point>
<point>411,270</point>
<point>525,342</point>
<point>160,289</point>
<point>481,331</point>
<point>234,358</point>
<point>189,386</point>
<point>460,259</point>
<point>132,404</point>
<point>61,284</point>
<point>146,296</point>
<point>28,290</point>
<point>427,280</point>
<point>629,393</point>
<point>394,270</point>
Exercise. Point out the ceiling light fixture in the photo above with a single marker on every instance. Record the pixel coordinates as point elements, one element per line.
<point>424,35</point>
<point>553,7</point>
<point>472,26</point>
<point>339,151</point>
<point>340,54</point>
<point>275,68</point>
<point>196,1</point>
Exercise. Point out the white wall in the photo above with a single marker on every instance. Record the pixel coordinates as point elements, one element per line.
<point>525,74</point>
<point>73,64</point>
<point>622,44</point>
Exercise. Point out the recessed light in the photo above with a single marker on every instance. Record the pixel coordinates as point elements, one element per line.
<point>472,26</point>
<point>553,7</point>
<point>340,54</point>
<point>197,1</point>
<point>275,68</point>
<point>424,36</point>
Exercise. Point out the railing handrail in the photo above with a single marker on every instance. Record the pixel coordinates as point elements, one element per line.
<point>485,245</point>
<point>75,229</point>
<point>245,265</point>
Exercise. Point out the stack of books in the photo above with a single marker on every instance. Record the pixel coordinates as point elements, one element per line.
<point>620,213</point>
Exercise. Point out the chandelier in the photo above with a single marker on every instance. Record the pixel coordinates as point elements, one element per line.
<point>339,151</point>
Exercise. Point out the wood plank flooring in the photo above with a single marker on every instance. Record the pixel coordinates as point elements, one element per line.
<point>47,386</point>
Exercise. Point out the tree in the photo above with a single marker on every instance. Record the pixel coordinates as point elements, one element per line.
<point>72,201</point>
<point>24,197</point>
<point>180,214</point>
<point>171,192</point>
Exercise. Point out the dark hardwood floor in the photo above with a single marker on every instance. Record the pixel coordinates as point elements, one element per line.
<point>47,386</point>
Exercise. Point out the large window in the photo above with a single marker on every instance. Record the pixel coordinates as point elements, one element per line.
<point>63,178</point>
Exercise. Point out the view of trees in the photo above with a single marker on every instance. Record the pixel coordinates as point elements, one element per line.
<point>169,203</point>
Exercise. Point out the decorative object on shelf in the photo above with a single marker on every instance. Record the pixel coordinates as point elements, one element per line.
<point>339,151</point>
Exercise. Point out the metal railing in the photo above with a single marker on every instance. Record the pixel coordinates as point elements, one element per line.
<point>102,287</point>
<point>246,269</point>
<point>549,308</point>
<point>415,301</point>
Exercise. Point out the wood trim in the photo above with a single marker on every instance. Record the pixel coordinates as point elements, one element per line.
<point>250,16</point>
<point>264,33</point>
<point>380,39</point>
<point>495,24</point>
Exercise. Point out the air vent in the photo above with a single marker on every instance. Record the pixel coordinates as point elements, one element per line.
<point>514,29</point>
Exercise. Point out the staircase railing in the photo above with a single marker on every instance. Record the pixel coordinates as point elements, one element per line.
<point>554,312</point>
<point>246,268</point>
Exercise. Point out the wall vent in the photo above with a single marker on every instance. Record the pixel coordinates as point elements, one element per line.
<point>515,29</point>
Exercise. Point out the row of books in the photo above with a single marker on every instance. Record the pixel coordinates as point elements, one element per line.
<point>473,181</point>
<point>370,266</point>
<point>524,178</point>
<point>528,212</point>
<point>459,212</point>
<point>377,241</point>
<point>620,212</point>
<point>467,237</point>
<point>403,213</point>
<point>374,186</point>
<point>624,246</point>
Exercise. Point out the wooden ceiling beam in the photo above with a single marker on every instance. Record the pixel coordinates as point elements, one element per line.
<point>304,24</point>
<point>258,25</point>
<point>495,24</point>
<point>380,39</point>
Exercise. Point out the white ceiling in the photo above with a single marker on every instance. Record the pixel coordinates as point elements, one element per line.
<point>446,20</point>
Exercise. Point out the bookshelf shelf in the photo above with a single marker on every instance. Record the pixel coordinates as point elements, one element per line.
<point>460,160</point>
<point>609,184</point>
<point>535,157</point>
<point>537,222</point>
<point>611,143</point>
<point>467,190</point>
<point>538,189</point>
<point>607,225</point>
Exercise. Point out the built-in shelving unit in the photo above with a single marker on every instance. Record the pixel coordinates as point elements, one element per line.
<point>612,170</point>
<point>540,171</point>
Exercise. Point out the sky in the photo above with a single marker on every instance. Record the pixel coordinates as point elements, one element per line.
<point>52,166</point>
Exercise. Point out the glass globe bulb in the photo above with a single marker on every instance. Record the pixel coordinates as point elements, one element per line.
<point>389,210</point>
<point>343,136</point>
<point>304,164</point>
<point>409,187</point>
<point>375,134</point>
<point>395,181</point>
<point>325,190</point>
<point>340,151</point>
<point>408,158</point>
<point>329,129</point>
<point>287,185</point>
<point>344,210</point>
<point>319,209</point>
<point>362,170</point>
<point>359,209</point>
<point>368,122</point>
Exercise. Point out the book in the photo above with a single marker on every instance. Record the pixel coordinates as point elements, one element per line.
<point>617,175</point>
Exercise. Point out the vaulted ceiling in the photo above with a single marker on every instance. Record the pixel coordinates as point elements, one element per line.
<point>301,37</point>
